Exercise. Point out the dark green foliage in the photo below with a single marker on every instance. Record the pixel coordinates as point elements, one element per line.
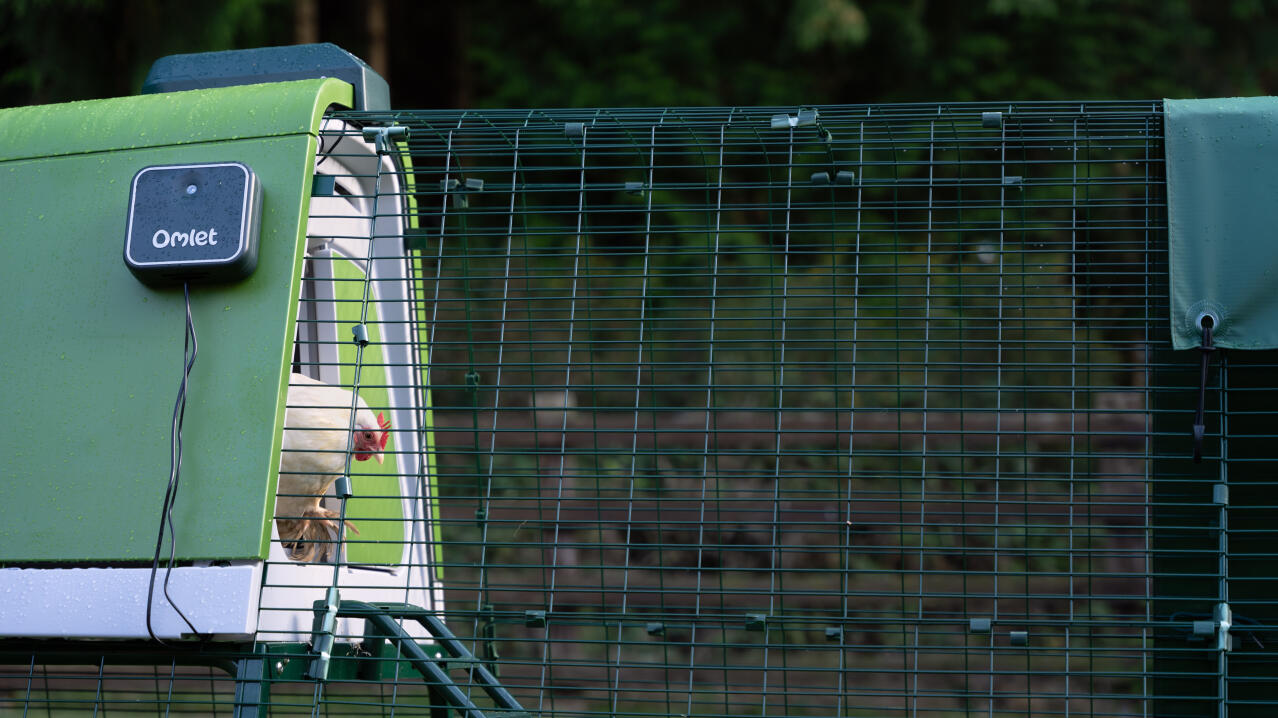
<point>60,50</point>
<point>563,53</point>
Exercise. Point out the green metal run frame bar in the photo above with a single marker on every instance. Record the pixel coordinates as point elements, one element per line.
<point>381,626</point>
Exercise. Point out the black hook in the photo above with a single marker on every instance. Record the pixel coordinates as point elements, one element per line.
<point>1206,321</point>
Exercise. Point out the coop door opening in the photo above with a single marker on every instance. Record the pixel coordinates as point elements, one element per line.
<point>333,300</point>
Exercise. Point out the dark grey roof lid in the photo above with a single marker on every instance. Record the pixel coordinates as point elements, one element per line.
<point>200,70</point>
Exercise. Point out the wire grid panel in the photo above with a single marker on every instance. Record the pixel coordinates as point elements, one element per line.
<point>105,688</point>
<point>863,411</point>
<point>358,375</point>
<point>819,411</point>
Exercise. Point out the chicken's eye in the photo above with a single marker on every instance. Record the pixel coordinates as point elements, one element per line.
<point>368,435</point>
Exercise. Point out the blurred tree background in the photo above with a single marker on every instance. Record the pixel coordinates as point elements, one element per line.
<point>557,53</point>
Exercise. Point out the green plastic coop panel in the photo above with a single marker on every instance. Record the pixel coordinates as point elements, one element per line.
<point>97,355</point>
<point>378,504</point>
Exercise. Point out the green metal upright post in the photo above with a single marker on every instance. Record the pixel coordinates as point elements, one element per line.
<point>252,685</point>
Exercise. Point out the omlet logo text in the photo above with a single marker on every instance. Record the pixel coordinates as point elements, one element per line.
<point>162,238</point>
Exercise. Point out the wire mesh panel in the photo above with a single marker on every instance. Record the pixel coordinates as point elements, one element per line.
<point>833,411</point>
<point>102,688</point>
<point>856,411</point>
<point>356,441</point>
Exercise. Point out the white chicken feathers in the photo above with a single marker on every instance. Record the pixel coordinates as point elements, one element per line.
<point>317,436</point>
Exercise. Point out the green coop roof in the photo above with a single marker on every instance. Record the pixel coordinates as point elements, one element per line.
<point>175,118</point>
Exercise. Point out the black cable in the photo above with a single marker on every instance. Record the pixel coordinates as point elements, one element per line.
<point>324,153</point>
<point>190,347</point>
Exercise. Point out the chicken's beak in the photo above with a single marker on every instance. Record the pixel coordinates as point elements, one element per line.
<point>378,456</point>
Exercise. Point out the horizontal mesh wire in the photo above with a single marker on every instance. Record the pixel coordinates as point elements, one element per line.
<point>857,411</point>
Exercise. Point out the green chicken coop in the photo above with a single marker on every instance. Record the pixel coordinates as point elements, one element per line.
<point>867,410</point>
<point>107,357</point>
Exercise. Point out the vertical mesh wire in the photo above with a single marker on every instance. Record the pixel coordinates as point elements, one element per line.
<point>855,411</point>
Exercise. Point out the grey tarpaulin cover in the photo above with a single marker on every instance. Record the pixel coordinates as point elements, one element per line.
<point>1222,211</point>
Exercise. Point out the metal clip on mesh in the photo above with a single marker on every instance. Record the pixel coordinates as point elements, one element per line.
<point>323,631</point>
<point>806,117</point>
<point>342,487</point>
<point>1224,620</point>
<point>383,137</point>
<point>359,335</point>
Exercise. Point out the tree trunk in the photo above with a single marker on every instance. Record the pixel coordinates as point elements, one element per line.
<point>305,21</point>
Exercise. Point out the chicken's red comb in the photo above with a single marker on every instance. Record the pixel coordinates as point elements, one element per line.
<point>381,420</point>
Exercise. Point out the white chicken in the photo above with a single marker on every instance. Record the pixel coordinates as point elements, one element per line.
<point>317,434</point>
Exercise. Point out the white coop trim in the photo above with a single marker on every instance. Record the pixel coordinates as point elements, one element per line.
<point>220,601</point>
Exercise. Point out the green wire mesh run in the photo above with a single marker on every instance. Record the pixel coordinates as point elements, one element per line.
<point>807,411</point>
<point>835,411</point>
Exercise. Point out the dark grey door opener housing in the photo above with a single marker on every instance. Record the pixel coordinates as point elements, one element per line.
<point>195,222</point>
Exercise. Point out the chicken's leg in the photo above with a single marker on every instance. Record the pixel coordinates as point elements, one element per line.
<point>310,536</point>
